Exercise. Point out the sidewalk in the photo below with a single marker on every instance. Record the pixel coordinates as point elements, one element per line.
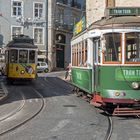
<point>59,74</point>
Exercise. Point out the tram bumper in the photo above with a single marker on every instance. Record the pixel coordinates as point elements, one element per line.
<point>121,96</point>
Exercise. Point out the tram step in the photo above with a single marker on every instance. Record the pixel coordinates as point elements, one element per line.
<point>126,111</point>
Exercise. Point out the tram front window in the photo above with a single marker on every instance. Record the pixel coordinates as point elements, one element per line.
<point>112,52</point>
<point>23,56</point>
<point>132,47</point>
<point>13,56</point>
<point>32,56</point>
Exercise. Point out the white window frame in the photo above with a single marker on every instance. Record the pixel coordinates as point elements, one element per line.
<point>15,27</point>
<point>42,35</point>
<point>43,10</point>
<point>61,15</point>
<point>21,8</point>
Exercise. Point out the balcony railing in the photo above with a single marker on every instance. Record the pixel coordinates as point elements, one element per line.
<point>62,26</point>
<point>71,4</point>
<point>62,1</point>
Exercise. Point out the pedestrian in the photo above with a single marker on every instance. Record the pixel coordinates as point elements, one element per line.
<point>68,71</point>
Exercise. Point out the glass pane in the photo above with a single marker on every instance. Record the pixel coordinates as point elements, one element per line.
<point>38,36</point>
<point>13,56</point>
<point>23,56</point>
<point>43,64</point>
<point>132,47</point>
<point>112,47</point>
<point>32,56</point>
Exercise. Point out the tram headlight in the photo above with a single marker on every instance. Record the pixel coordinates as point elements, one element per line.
<point>117,93</point>
<point>135,85</point>
<point>22,71</point>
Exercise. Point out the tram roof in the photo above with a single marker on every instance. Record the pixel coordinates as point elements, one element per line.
<point>21,45</point>
<point>22,41</point>
<point>114,22</point>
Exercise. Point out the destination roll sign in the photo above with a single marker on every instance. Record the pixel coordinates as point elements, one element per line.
<point>122,11</point>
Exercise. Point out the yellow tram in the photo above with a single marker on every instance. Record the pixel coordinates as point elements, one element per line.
<point>21,59</point>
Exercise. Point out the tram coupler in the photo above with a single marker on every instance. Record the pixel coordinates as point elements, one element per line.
<point>97,100</point>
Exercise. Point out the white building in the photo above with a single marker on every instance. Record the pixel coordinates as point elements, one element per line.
<point>24,17</point>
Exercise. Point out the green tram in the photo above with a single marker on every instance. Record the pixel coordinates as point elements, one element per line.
<point>106,64</point>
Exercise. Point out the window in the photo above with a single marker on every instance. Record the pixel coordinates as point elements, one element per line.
<point>6,56</point>
<point>76,4</point>
<point>76,18</point>
<point>61,16</point>
<point>16,8</point>
<point>38,35</point>
<point>112,47</point>
<point>132,47</point>
<point>13,56</point>
<point>79,54</point>
<point>31,56</point>
<point>60,38</point>
<point>110,3</point>
<point>63,1</point>
<point>16,31</point>
<point>38,10</point>
<point>23,56</point>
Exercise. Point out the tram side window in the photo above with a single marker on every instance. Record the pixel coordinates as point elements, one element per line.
<point>79,54</point>
<point>31,56</point>
<point>13,56</point>
<point>23,56</point>
<point>132,47</point>
<point>112,51</point>
<point>6,56</point>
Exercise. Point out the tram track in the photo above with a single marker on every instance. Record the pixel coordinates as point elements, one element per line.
<point>108,116</point>
<point>16,110</point>
<point>110,128</point>
<point>26,117</point>
<point>138,116</point>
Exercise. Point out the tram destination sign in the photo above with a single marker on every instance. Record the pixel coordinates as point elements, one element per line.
<point>129,74</point>
<point>122,11</point>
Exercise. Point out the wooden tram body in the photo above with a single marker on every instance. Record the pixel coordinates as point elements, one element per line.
<point>106,62</point>
<point>21,59</point>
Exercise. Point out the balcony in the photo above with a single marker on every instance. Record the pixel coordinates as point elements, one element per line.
<point>72,4</point>
<point>62,2</point>
<point>63,26</point>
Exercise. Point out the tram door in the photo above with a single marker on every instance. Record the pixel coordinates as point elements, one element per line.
<point>96,59</point>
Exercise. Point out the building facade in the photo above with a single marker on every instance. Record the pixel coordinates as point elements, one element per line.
<point>49,22</point>
<point>24,17</point>
<point>62,16</point>
<point>97,9</point>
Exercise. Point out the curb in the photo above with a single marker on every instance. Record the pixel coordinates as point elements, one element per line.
<point>3,95</point>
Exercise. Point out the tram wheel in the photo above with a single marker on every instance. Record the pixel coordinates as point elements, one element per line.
<point>46,70</point>
<point>9,81</point>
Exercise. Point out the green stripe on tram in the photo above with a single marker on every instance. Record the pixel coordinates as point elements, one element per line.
<point>82,78</point>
